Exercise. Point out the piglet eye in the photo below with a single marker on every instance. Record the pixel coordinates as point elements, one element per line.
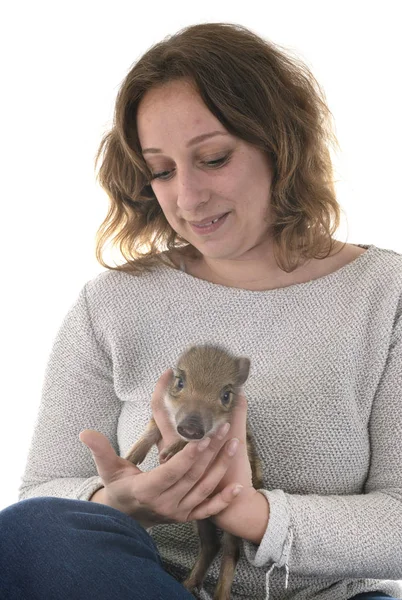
<point>180,380</point>
<point>226,398</point>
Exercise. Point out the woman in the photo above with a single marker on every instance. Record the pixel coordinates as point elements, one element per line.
<point>224,208</point>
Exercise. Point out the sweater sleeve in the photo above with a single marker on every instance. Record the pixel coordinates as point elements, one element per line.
<point>77,394</point>
<point>350,536</point>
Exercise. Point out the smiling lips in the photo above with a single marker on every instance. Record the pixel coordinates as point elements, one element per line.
<point>210,227</point>
<point>208,220</point>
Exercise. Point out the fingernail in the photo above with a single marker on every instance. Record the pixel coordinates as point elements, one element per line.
<point>233,445</point>
<point>203,444</point>
<point>236,490</point>
<point>222,431</point>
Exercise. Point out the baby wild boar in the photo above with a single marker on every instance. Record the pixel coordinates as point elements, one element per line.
<point>200,398</point>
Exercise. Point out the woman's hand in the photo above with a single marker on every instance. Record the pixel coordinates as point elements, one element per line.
<point>180,490</point>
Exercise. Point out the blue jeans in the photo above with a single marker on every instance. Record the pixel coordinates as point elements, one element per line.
<point>371,596</point>
<point>61,549</point>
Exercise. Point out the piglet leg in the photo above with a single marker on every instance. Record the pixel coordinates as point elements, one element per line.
<point>140,449</point>
<point>230,557</point>
<point>171,450</point>
<point>210,545</point>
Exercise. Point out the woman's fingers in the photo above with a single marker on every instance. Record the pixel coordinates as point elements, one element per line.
<point>159,412</point>
<point>108,464</point>
<point>207,484</point>
<point>213,506</point>
<point>187,466</point>
<point>239,417</point>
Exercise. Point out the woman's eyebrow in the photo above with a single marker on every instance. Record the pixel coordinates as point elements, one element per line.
<point>196,140</point>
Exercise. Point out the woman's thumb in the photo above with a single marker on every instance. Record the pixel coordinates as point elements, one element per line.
<point>159,412</point>
<point>108,464</point>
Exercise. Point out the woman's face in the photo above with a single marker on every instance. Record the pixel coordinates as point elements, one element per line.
<point>200,180</point>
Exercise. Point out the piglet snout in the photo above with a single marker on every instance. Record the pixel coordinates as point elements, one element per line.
<point>191,427</point>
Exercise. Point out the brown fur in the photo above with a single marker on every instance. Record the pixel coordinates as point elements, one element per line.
<point>211,379</point>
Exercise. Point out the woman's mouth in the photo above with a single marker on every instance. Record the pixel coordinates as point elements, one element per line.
<point>209,227</point>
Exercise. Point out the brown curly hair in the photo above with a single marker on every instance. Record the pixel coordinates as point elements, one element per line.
<point>260,94</point>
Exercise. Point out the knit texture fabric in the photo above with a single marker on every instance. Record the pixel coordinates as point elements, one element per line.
<point>324,403</point>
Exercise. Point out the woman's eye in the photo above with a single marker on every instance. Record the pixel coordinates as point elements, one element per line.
<point>213,163</point>
<point>158,175</point>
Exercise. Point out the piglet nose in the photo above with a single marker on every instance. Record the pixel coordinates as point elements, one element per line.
<point>191,428</point>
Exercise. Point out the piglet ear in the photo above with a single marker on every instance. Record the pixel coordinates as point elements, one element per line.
<point>243,368</point>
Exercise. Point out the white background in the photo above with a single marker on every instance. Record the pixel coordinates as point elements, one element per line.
<point>61,66</point>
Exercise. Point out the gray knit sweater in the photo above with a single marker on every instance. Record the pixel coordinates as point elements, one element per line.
<point>325,405</point>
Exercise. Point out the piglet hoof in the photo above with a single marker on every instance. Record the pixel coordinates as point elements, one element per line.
<point>190,583</point>
<point>164,456</point>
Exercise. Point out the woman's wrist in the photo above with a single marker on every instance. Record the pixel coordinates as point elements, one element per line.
<point>246,517</point>
<point>101,497</point>
<point>98,496</point>
<point>256,527</point>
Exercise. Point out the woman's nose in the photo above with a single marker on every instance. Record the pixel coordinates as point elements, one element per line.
<point>191,191</point>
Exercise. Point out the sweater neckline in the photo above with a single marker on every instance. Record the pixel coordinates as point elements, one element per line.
<point>347,269</point>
